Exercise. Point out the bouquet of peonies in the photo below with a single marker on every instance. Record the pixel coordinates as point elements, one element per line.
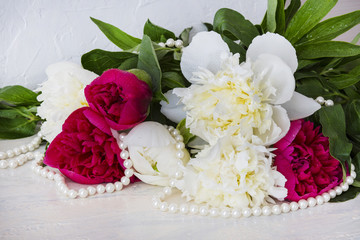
<point>239,116</point>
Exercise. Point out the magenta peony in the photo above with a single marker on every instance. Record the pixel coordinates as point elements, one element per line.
<point>85,151</point>
<point>120,97</point>
<point>303,157</point>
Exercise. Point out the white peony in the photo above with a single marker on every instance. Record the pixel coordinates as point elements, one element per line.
<point>257,97</point>
<point>174,109</point>
<point>153,152</point>
<point>233,174</point>
<point>61,94</point>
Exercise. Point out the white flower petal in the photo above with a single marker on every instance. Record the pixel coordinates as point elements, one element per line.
<point>149,134</point>
<point>270,69</point>
<point>275,44</point>
<point>153,180</point>
<point>300,106</point>
<point>204,51</point>
<point>196,28</point>
<point>140,162</point>
<point>174,110</point>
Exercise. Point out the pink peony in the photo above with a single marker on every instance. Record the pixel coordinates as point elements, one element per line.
<point>120,97</point>
<point>303,157</point>
<point>85,151</point>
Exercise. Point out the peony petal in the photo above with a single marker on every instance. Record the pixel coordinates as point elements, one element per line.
<point>274,44</point>
<point>149,134</point>
<point>174,110</point>
<point>204,51</point>
<point>80,179</point>
<point>153,180</point>
<point>270,69</point>
<point>300,106</point>
<point>195,29</point>
<point>140,162</point>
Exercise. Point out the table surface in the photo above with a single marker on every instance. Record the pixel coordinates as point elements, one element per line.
<point>32,208</point>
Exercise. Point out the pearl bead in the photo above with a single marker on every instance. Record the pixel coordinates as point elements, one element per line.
<point>344,186</point>
<point>179,138</point>
<point>44,172</point>
<point>100,188</point>
<point>24,149</point>
<point>161,44</point>
<point>122,146</point>
<point>122,136</point>
<point>3,155</point>
<point>320,100</point>
<point>167,191</point>
<point>179,145</point>
<point>50,175</point>
<point>332,193</point>
<point>156,203</point>
<point>194,209</point>
<point>276,209</point>
<point>338,190</point>
<point>179,43</point>
<point>170,42</point>
<point>161,195</point>
<point>203,211</point>
<point>172,183</point>
<point>10,153</point>
<point>17,151</point>
<point>303,204</point>
<point>125,181</point>
<point>285,207</point>
<point>294,206</point>
<point>256,211</point>
<point>83,193</point>
<point>329,103</point>
<point>349,180</point>
<point>91,190</point>
<point>246,212</point>
<point>180,154</point>
<point>128,163</point>
<point>225,213</point>
<point>235,213</point>
<point>175,132</point>
<point>37,170</point>
<point>173,208</point>
<point>31,147</point>
<point>72,194</point>
<point>59,184</point>
<point>163,206</point>
<point>326,197</point>
<point>170,128</point>
<point>110,188</point>
<point>21,159</point>
<point>3,164</point>
<point>214,212</point>
<point>352,167</point>
<point>118,186</point>
<point>129,173</point>
<point>13,163</point>
<point>311,201</point>
<point>178,174</point>
<point>64,190</point>
<point>319,200</point>
<point>29,155</point>
<point>124,154</point>
<point>266,210</point>
<point>184,208</point>
<point>353,174</point>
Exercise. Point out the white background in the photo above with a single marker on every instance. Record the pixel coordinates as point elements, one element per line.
<point>37,33</point>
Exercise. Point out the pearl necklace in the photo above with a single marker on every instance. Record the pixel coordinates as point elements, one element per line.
<point>22,153</point>
<point>46,172</point>
<point>159,202</point>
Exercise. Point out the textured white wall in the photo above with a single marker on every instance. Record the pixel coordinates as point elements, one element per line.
<point>36,33</point>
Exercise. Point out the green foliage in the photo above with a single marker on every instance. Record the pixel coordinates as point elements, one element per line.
<point>157,33</point>
<point>18,112</point>
<point>184,131</point>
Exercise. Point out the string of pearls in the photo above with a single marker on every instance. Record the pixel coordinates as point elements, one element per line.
<point>172,43</point>
<point>90,190</point>
<point>18,156</point>
<point>328,103</point>
<point>159,202</point>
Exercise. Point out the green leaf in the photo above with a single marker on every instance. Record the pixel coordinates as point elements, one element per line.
<point>352,92</point>
<point>184,36</point>
<point>280,17</point>
<point>209,26</point>
<point>99,60</point>
<point>18,95</point>
<point>235,48</point>
<point>307,17</point>
<point>356,162</point>
<point>327,49</point>
<point>173,80</point>
<point>234,26</point>
<point>155,114</point>
<point>331,28</point>
<point>156,32</point>
<point>271,15</point>
<point>311,87</point>
<point>16,128</point>
<point>349,194</point>
<point>291,10</point>
<point>356,39</point>
<point>185,132</point>
<point>344,80</point>
<point>148,62</point>
<point>129,63</point>
<point>333,122</point>
<point>353,117</point>
<point>115,35</point>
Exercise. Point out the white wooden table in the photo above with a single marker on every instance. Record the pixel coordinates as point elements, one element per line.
<point>32,208</point>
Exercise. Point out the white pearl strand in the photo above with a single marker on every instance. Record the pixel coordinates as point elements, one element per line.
<point>328,103</point>
<point>91,190</point>
<point>19,155</point>
<point>285,207</point>
<point>172,43</point>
